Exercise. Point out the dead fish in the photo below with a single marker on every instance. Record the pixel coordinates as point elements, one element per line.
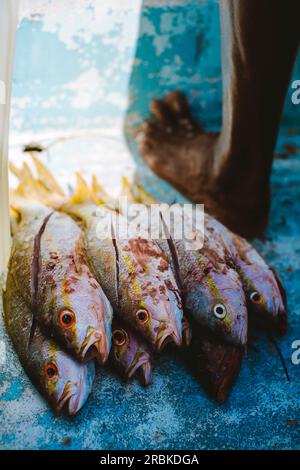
<point>130,354</point>
<point>216,364</point>
<point>134,272</point>
<point>211,289</point>
<point>50,269</point>
<point>212,292</point>
<point>264,290</point>
<point>64,382</point>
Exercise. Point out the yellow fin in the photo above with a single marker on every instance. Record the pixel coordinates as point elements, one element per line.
<point>102,196</point>
<point>46,177</point>
<point>82,194</point>
<point>127,190</point>
<point>14,220</point>
<point>20,173</point>
<point>32,191</point>
<point>98,191</point>
<point>142,196</point>
<point>26,171</point>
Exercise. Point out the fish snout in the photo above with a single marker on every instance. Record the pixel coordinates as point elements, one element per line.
<point>95,346</point>
<point>76,390</point>
<point>241,330</point>
<point>142,367</point>
<point>145,373</point>
<point>166,336</point>
<point>63,402</point>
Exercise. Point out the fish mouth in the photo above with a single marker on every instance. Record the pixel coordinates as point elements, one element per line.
<point>94,347</point>
<point>64,402</point>
<point>167,336</point>
<point>69,402</point>
<point>145,374</point>
<point>142,366</point>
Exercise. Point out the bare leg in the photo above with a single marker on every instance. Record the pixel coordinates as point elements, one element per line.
<point>230,173</point>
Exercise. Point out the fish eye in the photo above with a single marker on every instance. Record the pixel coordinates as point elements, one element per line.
<point>51,371</point>
<point>66,318</point>
<point>119,337</point>
<point>220,311</point>
<point>142,316</point>
<point>255,297</point>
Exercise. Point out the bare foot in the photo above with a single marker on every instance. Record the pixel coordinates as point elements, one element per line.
<point>175,147</point>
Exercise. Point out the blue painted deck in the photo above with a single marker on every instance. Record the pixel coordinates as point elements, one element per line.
<point>263,410</point>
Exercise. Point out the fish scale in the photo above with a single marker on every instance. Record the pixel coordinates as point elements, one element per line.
<point>125,268</point>
<point>56,281</point>
<point>71,384</point>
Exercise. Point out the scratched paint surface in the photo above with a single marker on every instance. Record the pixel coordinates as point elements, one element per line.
<point>84,70</point>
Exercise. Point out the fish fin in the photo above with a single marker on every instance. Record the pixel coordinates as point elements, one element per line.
<point>143,196</point>
<point>274,342</point>
<point>174,254</point>
<point>32,331</point>
<point>82,194</point>
<point>20,173</point>
<point>101,195</point>
<point>46,177</point>
<point>127,190</point>
<point>14,220</point>
<point>280,286</point>
<point>31,192</point>
<point>98,190</point>
<point>114,242</point>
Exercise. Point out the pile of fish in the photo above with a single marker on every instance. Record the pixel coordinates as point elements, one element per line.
<point>74,297</point>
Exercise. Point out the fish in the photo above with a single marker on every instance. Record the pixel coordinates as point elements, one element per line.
<point>50,268</point>
<point>265,293</point>
<point>212,292</point>
<point>215,363</point>
<point>210,287</point>
<point>133,272</point>
<point>130,355</point>
<point>65,383</point>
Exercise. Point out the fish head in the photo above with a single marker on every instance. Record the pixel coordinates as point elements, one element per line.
<point>220,304</point>
<point>82,318</point>
<point>265,296</point>
<point>65,382</point>
<point>157,315</point>
<point>130,354</point>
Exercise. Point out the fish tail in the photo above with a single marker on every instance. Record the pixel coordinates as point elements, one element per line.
<point>20,173</point>
<point>142,195</point>
<point>32,190</point>
<point>127,190</point>
<point>46,177</point>
<point>82,194</point>
<point>98,191</point>
<point>101,195</point>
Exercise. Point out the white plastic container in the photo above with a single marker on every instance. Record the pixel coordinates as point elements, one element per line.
<point>8,25</point>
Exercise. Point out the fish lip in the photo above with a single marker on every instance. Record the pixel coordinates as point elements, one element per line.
<point>64,400</point>
<point>139,362</point>
<point>167,336</point>
<point>94,346</point>
<point>146,374</point>
<point>242,336</point>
